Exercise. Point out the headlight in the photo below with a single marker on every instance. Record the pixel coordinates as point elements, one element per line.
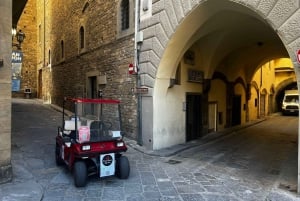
<point>86,147</point>
<point>120,144</point>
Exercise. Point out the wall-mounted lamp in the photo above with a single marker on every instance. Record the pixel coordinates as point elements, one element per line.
<point>19,35</point>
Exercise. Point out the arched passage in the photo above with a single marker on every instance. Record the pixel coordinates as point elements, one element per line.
<point>230,37</point>
<point>279,91</point>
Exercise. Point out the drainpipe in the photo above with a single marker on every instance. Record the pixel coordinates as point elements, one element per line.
<point>136,64</point>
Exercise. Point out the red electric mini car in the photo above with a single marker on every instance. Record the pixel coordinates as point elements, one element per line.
<point>90,140</point>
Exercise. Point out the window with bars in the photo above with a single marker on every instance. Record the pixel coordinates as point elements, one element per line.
<point>125,14</point>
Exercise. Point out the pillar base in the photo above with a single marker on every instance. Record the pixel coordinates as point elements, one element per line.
<point>5,173</point>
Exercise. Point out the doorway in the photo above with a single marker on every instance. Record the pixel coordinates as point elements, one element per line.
<point>212,116</point>
<point>92,93</point>
<point>193,116</point>
<point>262,105</point>
<point>40,86</point>
<point>92,87</point>
<point>236,110</point>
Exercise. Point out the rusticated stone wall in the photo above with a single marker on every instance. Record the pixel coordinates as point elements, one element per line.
<point>168,15</point>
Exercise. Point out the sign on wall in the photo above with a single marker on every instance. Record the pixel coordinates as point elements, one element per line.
<point>16,56</point>
<point>195,76</point>
<point>16,64</point>
<point>15,84</point>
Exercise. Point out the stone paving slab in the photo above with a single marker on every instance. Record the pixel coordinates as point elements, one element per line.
<point>153,177</point>
<point>25,191</point>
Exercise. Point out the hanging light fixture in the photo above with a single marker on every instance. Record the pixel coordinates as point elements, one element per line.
<point>19,35</point>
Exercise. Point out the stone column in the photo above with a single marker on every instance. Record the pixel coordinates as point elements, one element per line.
<point>5,89</point>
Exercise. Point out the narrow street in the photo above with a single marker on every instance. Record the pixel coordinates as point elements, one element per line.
<point>255,163</point>
<point>257,158</point>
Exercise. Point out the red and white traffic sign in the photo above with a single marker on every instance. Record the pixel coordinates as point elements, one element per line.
<point>131,69</point>
<point>298,56</point>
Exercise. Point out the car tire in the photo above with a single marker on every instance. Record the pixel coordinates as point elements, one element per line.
<point>59,161</point>
<point>80,173</point>
<point>122,167</point>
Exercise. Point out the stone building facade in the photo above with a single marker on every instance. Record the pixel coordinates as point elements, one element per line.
<point>5,88</point>
<point>188,49</point>
<point>225,40</point>
<point>82,49</point>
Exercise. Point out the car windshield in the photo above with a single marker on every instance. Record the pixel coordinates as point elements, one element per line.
<point>291,99</point>
<point>95,121</point>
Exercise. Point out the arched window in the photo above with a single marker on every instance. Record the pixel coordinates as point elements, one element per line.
<point>62,47</point>
<point>81,35</point>
<point>86,5</point>
<point>125,14</point>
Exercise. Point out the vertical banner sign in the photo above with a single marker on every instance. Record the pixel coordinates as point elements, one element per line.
<point>298,56</point>
<point>16,63</point>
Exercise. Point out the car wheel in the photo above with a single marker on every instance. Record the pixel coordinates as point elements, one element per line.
<point>80,174</point>
<point>122,167</point>
<point>59,161</point>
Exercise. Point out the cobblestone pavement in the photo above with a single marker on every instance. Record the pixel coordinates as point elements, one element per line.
<point>216,171</point>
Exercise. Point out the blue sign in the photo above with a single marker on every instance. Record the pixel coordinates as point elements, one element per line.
<point>16,61</point>
<point>15,84</point>
<point>16,57</point>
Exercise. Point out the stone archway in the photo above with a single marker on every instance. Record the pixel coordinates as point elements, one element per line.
<point>183,24</point>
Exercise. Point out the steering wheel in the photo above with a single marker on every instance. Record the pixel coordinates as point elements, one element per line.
<point>91,117</point>
<point>107,125</point>
<point>102,126</point>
